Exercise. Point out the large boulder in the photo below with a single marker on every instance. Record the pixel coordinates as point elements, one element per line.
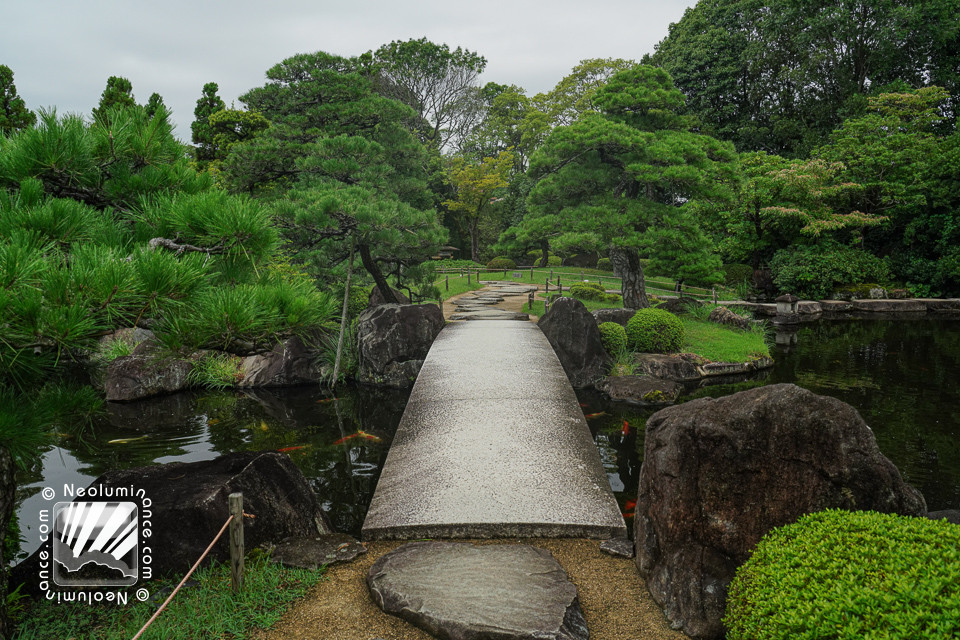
<point>143,375</point>
<point>620,316</point>
<point>720,473</point>
<point>644,391</point>
<point>288,363</point>
<point>574,336</point>
<point>375,299</point>
<point>188,505</point>
<point>722,315</point>
<point>458,591</point>
<point>394,340</point>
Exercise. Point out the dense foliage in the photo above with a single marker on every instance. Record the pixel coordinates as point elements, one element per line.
<point>849,575</point>
<point>613,336</point>
<point>813,272</point>
<point>654,330</point>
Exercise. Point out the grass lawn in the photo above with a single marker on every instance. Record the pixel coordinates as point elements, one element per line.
<point>713,341</point>
<point>207,610</point>
<point>721,344</point>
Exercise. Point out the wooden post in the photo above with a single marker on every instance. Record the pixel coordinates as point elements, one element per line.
<point>551,274</point>
<point>504,274</point>
<point>559,288</point>
<point>531,274</point>
<point>546,286</point>
<point>530,301</point>
<point>448,283</point>
<point>581,275</point>
<point>600,281</point>
<point>714,289</point>
<point>235,501</point>
<point>468,276</point>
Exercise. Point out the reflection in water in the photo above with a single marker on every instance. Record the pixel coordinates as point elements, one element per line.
<point>302,422</point>
<point>903,376</point>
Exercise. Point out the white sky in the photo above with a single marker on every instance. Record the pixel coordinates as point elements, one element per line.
<point>63,51</point>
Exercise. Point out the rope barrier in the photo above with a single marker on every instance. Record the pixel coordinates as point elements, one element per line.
<point>185,578</point>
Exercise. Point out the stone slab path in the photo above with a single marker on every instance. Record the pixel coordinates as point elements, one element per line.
<point>492,444</point>
<point>490,303</point>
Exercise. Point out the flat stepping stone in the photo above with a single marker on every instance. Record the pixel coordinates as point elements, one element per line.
<point>312,553</point>
<point>620,547</point>
<point>489,314</point>
<point>460,591</point>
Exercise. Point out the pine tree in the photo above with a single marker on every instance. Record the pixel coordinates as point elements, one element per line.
<point>208,104</point>
<point>14,115</point>
<point>154,104</point>
<point>118,93</point>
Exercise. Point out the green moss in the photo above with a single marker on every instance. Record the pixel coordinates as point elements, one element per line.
<point>655,331</point>
<point>613,336</point>
<point>850,575</point>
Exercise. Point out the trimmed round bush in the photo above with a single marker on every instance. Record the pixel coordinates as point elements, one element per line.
<point>587,291</point>
<point>603,264</point>
<point>501,262</point>
<point>654,331</point>
<point>554,261</point>
<point>613,336</point>
<point>849,575</point>
<point>735,273</point>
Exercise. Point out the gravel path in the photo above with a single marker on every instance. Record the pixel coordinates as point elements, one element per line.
<point>615,602</point>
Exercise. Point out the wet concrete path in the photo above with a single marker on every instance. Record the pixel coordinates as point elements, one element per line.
<point>492,444</point>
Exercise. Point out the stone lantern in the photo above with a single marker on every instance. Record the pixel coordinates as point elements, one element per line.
<point>787,310</point>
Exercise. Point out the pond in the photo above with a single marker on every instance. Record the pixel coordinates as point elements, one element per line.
<point>903,376</point>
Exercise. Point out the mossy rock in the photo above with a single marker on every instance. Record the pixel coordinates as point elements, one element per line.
<point>613,336</point>
<point>850,575</point>
<point>655,331</point>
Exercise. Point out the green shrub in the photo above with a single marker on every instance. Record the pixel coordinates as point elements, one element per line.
<point>735,273</point>
<point>655,331</point>
<point>613,336</point>
<point>501,262</point>
<point>587,291</point>
<point>554,261</point>
<point>217,371</point>
<point>847,575</point>
<point>603,264</point>
<point>814,272</point>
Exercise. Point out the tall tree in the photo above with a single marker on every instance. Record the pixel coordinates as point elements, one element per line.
<point>117,94</point>
<point>342,161</point>
<point>573,95</point>
<point>476,183</point>
<point>208,104</point>
<point>14,114</point>
<point>779,75</point>
<point>154,104</point>
<point>622,178</point>
<point>438,83</point>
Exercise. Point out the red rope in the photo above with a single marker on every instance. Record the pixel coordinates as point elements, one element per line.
<point>189,573</point>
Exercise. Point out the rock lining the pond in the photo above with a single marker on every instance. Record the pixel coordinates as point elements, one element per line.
<point>722,315</point>
<point>720,473</point>
<point>394,340</point>
<point>950,515</point>
<point>620,547</point>
<point>288,363</point>
<point>689,367</point>
<point>620,316</point>
<point>459,591</point>
<point>189,505</point>
<point>644,391</point>
<point>574,336</point>
<point>143,375</point>
<point>317,551</point>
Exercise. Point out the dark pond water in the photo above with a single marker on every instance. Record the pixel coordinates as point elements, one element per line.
<point>903,376</point>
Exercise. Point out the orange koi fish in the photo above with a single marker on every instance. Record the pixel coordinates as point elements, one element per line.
<point>289,449</point>
<point>358,434</point>
<point>626,429</point>
<point>591,416</point>
<point>630,507</point>
<point>584,405</point>
<point>325,400</point>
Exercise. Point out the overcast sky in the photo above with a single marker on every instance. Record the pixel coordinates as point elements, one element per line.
<point>62,52</point>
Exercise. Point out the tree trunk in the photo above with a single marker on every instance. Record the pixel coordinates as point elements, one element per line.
<point>545,247</point>
<point>474,227</point>
<point>371,266</point>
<point>626,266</point>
